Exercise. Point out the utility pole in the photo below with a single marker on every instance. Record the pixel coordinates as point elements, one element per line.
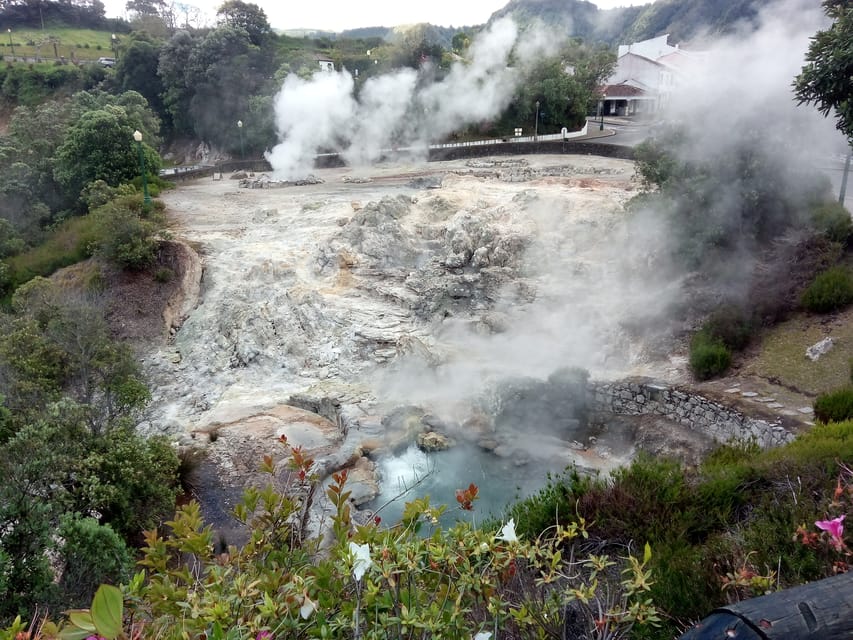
<point>843,195</point>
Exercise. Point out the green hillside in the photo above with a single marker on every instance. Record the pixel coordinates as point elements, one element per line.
<point>682,19</point>
<point>71,43</point>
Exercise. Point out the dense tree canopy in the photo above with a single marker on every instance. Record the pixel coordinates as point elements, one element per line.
<point>827,77</point>
<point>249,17</point>
<point>563,85</point>
<point>69,395</point>
<point>136,70</point>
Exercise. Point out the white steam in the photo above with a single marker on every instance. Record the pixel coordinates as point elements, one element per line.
<point>399,109</point>
<point>596,281</point>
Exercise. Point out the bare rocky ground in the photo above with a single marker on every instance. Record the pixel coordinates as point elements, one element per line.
<point>358,294</point>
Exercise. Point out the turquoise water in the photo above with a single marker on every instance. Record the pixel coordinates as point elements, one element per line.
<point>440,474</point>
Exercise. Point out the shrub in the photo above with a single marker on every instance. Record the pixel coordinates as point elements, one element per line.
<point>164,275</point>
<point>92,554</point>
<point>709,357</point>
<point>70,242</point>
<point>831,290</point>
<point>833,220</point>
<point>124,238</point>
<point>836,406</point>
<point>731,325</point>
<point>372,582</point>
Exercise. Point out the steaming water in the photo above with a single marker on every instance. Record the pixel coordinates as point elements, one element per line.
<point>440,474</point>
<point>290,306</point>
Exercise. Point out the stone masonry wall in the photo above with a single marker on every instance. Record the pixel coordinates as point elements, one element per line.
<point>643,396</point>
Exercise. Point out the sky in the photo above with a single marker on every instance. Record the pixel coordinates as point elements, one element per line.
<point>337,15</point>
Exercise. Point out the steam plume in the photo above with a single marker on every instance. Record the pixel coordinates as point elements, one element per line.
<point>323,114</point>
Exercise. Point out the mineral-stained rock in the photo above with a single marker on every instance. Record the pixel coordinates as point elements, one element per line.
<point>362,482</point>
<point>433,441</point>
<point>402,424</point>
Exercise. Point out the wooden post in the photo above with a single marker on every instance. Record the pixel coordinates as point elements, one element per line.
<point>821,610</point>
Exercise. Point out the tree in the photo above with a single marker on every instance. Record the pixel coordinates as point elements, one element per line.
<point>146,7</point>
<point>56,475</point>
<point>223,71</point>
<point>59,343</point>
<point>563,85</point>
<point>136,70</point>
<point>827,77</point>
<point>249,17</point>
<point>460,42</point>
<point>177,86</point>
<point>99,146</point>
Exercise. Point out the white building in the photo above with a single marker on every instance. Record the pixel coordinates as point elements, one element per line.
<point>326,64</point>
<point>645,75</point>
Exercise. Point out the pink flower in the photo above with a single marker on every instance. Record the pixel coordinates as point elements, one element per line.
<point>834,527</point>
<point>263,635</point>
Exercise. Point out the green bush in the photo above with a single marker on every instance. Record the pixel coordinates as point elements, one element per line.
<point>92,554</point>
<point>709,357</point>
<point>833,220</point>
<point>835,406</point>
<point>731,325</point>
<point>164,275</point>
<point>831,290</point>
<point>68,243</point>
<point>124,237</point>
<point>369,581</point>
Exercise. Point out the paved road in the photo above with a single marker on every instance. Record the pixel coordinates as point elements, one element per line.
<point>627,134</point>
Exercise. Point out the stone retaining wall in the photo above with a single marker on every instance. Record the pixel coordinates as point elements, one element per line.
<point>648,397</point>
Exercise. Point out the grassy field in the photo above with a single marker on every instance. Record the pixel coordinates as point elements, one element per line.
<point>76,44</point>
<point>782,354</point>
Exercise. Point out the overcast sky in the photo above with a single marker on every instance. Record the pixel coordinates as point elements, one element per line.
<point>337,15</point>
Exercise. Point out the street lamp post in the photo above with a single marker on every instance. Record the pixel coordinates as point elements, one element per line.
<point>11,44</point>
<point>536,124</point>
<point>603,101</point>
<point>114,43</point>
<point>146,199</point>
<point>240,129</point>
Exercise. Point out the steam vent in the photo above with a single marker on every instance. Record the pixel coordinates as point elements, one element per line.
<point>483,320</point>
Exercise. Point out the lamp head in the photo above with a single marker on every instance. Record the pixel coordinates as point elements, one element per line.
<point>137,136</point>
<point>240,124</point>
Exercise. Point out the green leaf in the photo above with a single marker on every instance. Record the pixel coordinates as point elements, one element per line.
<point>107,607</point>
<point>216,632</point>
<point>73,633</point>
<point>647,553</point>
<point>82,619</point>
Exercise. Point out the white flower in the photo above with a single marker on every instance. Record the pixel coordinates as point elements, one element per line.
<point>484,546</point>
<point>507,534</point>
<point>362,562</point>
<point>483,635</point>
<point>308,607</point>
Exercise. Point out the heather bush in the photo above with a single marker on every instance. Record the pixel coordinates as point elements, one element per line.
<point>731,325</point>
<point>833,220</point>
<point>709,356</point>
<point>835,406</point>
<point>125,237</point>
<point>831,290</point>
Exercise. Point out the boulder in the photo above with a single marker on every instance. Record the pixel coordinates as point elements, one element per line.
<point>430,441</point>
<point>818,349</point>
